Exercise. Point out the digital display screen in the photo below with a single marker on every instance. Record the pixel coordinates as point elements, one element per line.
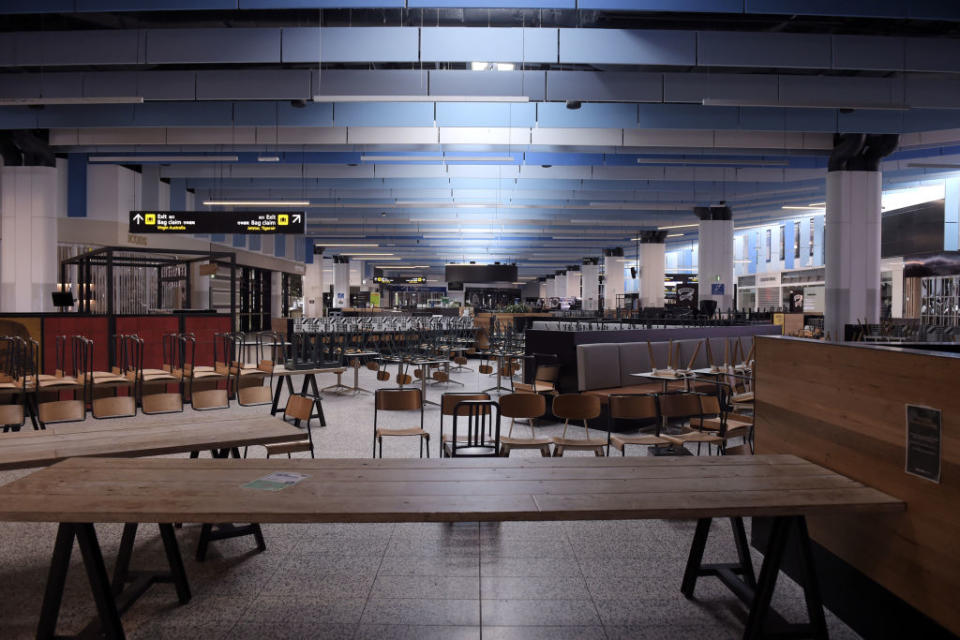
<point>239,222</point>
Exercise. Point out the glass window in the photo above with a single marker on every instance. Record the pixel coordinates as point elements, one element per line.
<point>769,244</point>
<point>812,229</point>
<point>796,239</point>
<point>783,241</point>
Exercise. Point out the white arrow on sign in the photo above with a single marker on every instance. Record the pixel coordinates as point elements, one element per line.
<point>296,217</point>
<point>138,218</point>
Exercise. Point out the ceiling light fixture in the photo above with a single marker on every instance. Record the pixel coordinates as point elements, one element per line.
<point>677,226</point>
<point>256,203</point>
<point>675,235</point>
<point>801,207</point>
<point>732,102</point>
<point>708,161</point>
<point>435,159</point>
<point>268,158</point>
<point>163,159</point>
<point>492,66</point>
<point>357,255</point>
<point>40,101</point>
<point>388,98</point>
<point>343,244</point>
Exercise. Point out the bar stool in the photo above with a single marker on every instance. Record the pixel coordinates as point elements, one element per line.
<point>528,406</point>
<point>576,406</point>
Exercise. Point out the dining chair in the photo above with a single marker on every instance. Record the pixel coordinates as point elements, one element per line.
<point>576,406</point>
<point>523,406</point>
<point>690,410</point>
<point>476,430</point>
<point>298,408</point>
<point>447,402</point>
<point>641,411</point>
<point>396,400</point>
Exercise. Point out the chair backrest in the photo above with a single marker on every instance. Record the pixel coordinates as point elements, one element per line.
<point>576,406</point>
<point>632,407</point>
<point>449,400</point>
<point>398,400</point>
<point>523,405</point>
<point>298,407</point>
<point>472,420</point>
<point>710,405</point>
<point>547,373</point>
<point>679,405</point>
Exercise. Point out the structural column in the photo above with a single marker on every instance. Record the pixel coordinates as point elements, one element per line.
<point>573,282</point>
<point>715,255</point>
<point>590,283</point>
<point>276,294</point>
<point>313,286</point>
<point>199,287</point>
<point>28,208</point>
<point>613,284</point>
<point>341,282</point>
<point>652,262</point>
<point>852,231</point>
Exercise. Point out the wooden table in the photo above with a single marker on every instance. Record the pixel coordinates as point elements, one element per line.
<point>308,388</point>
<point>83,491</point>
<point>27,449</point>
<point>666,379</point>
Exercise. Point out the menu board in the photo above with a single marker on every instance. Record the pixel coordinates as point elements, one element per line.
<point>923,442</point>
<point>239,222</point>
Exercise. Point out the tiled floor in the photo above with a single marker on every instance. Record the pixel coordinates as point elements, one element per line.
<point>499,581</point>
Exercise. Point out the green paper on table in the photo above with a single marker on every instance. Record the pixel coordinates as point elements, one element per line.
<point>276,481</point>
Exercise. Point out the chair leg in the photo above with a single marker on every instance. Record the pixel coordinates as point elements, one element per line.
<point>381,446</point>
<point>557,451</point>
<point>545,451</point>
<point>427,446</point>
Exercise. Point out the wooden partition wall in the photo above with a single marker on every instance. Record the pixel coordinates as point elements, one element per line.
<point>843,406</point>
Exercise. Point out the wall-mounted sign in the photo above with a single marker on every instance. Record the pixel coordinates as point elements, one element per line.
<point>923,442</point>
<point>241,222</point>
<point>716,289</point>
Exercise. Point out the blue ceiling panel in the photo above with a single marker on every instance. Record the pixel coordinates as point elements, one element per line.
<point>592,114</point>
<point>210,46</point>
<point>116,115</point>
<point>823,120</point>
<point>350,44</point>
<point>687,116</point>
<point>313,114</point>
<point>493,4</point>
<point>486,114</point>
<point>862,121</point>
<point>98,6</point>
<point>693,6</point>
<point>786,50</point>
<point>849,8</point>
<point>317,4</point>
<point>615,46</point>
<point>382,114</point>
<point>171,114</point>
<point>490,44</point>
<point>763,119</point>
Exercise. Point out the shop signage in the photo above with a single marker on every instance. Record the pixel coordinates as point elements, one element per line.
<point>239,222</point>
<point>716,289</point>
<point>923,442</point>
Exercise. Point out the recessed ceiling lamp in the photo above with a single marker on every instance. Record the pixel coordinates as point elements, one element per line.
<point>388,98</point>
<point>492,66</point>
<point>256,203</point>
<point>268,158</point>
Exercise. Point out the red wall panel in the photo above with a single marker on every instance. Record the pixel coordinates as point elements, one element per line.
<point>93,327</point>
<point>204,327</point>
<point>151,329</point>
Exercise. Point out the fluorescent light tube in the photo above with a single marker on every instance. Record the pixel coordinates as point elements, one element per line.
<point>343,244</point>
<point>268,158</point>
<point>257,203</point>
<point>165,159</point>
<point>678,226</point>
<point>436,159</point>
<point>408,98</point>
<point>24,102</point>
<point>728,102</point>
<point>707,161</point>
<point>801,207</point>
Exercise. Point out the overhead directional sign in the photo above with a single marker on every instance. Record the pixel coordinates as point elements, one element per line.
<point>270,222</point>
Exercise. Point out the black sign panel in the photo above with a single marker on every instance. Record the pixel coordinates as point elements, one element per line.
<point>923,442</point>
<point>242,222</point>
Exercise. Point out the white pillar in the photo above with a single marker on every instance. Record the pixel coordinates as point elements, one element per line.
<point>852,251</point>
<point>652,263</point>
<point>612,282</point>
<point>28,268</point>
<point>313,288</point>
<point>590,286</point>
<point>573,284</point>
<point>551,287</point>
<point>341,282</point>
<point>715,256</point>
<point>276,292</point>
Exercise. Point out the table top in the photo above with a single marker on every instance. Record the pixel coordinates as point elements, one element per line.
<point>448,490</point>
<point>27,449</point>
<point>736,373</point>
<point>660,376</point>
<point>283,371</point>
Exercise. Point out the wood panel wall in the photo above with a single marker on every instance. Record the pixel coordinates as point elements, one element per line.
<point>843,406</point>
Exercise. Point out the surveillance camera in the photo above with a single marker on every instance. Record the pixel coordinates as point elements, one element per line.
<point>574,104</point>
<point>298,104</point>
<point>383,214</point>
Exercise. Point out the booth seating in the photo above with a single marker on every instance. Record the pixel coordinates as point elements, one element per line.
<point>603,369</point>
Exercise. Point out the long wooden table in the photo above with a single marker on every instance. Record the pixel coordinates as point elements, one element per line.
<point>26,449</point>
<point>83,491</point>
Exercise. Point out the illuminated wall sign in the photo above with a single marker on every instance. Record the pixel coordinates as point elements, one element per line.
<point>241,222</point>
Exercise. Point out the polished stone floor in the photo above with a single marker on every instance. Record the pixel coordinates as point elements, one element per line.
<point>550,581</point>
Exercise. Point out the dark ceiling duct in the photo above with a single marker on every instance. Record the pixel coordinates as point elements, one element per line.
<point>861,152</point>
<point>26,148</point>
<point>846,146</point>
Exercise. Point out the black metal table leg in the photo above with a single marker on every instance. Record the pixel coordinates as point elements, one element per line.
<point>226,530</point>
<point>276,396</point>
<point>177,573</point>
<point>110,625</point>
<point>760,607</point>
<point>56,579</point>
<point>695,559</point>
<point>316,399</point>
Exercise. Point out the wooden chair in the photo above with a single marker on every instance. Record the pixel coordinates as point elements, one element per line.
<point>544,380</point>
<point>51,409</point>
<point>150,385</point>
<point>298,408</point>
<point>689,409</point>
<point>209,398</point>
<point>102,387</point>
<point>398,400</point>
<point>12,417</point>
<point>523,406</point>
<point>471,440</point>
<point>575,406</point>
<point>447,402</point>
<point>729,425</point>
<point>636,408</point>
